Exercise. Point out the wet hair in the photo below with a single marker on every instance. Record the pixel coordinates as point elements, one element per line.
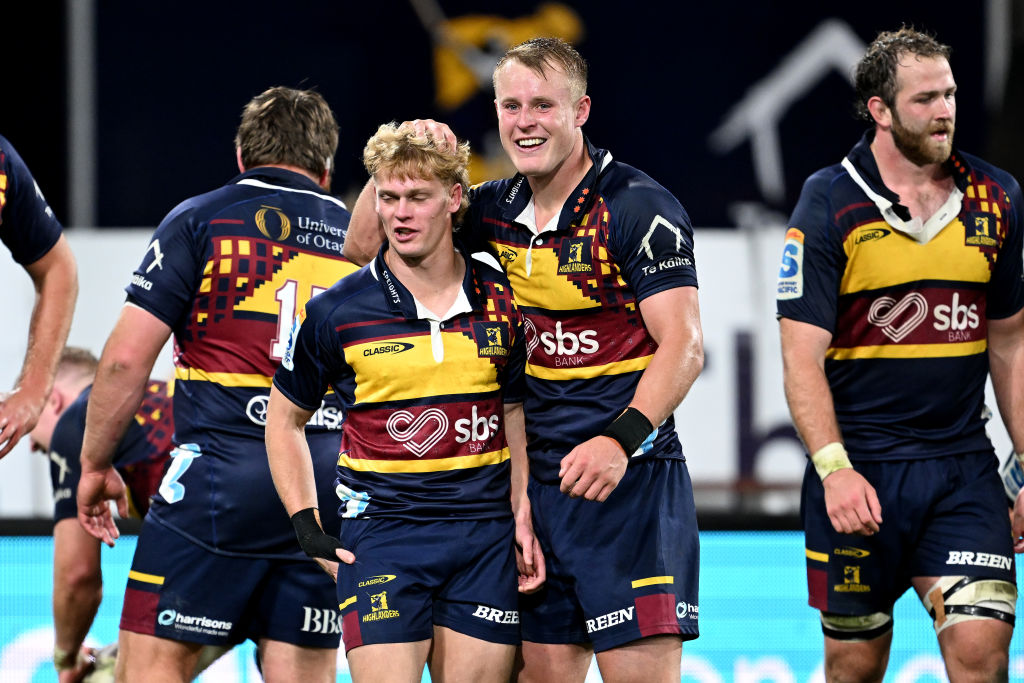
<point>875,75</point>
<point>541,54</point>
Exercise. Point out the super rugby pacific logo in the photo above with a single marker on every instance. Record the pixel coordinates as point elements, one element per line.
<point>390,347</point>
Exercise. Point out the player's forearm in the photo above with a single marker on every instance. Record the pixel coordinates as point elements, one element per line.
<point>121,378</point>
<point>1006,366</point>
<point>116,395</point>
<point>810,400</point>
<point>291,465</point>
<point>55,279</point>
<point>77,584</point>
<point>515,436</point>
<point>363,239</point>
<point>673,319</point>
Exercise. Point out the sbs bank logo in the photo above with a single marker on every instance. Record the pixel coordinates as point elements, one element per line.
<point>285,225</point>
<point>420,433</point>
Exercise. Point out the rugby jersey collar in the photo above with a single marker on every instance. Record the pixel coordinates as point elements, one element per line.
<point>271,177</point>
<point>401,301</point>
<point>518,194</point>
<point>865,173</point>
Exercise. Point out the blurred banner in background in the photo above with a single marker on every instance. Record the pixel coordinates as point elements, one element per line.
<point>129,107</point>
<point>755,625</point>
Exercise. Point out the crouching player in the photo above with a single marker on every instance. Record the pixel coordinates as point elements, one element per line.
<point>425,348</point>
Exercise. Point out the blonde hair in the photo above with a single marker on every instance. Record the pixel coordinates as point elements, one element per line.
<point>540,54</point>
<point>398,151</point>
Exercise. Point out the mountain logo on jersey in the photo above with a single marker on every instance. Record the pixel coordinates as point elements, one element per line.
<point>979,231</point>
<point>492,339</point>
<point>645,243</point>
<point>575,256</point>
<point>791,276</point>
<point>283,228</point>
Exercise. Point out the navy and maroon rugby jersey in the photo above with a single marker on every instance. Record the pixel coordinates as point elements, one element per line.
<point>27,224</point>
<point>229,271</point>
<point>140,457</point>
<point>908,359</point>
<point>620,238</point>
<point>424,396</point>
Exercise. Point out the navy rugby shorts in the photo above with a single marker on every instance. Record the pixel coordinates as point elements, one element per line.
<point>411,576</point>
<point>620,570</point>
<point>182,591</point>
<point>942,516</point>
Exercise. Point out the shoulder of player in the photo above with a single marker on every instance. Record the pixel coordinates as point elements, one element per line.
<point>985,172</point>
<point>487,193</point>
<point>487,269</point>
<point>627,186</point>
<point>352,287</point>
<point>628,191</point>
<point>71,423</point>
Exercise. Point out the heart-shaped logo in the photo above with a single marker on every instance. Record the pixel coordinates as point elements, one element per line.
<point>885,311</point>
<point>404,427</point>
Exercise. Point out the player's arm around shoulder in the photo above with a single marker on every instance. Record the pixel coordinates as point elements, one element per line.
<point>121,378</point>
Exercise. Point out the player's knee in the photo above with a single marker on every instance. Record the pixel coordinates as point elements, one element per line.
<point>857,628</point>
<point>957,599</point>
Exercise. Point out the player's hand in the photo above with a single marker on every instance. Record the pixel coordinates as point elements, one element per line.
<point>434,129</point>
<point>19,412</point>
<point>1017,523</point>
<point>529,556</point>
<point>322,547</point>
<point>96,488</point>
<point>593,469</point>
<point>852,503</point>
<point>85,664</point>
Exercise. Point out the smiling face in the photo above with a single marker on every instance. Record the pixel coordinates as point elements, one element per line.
<point>416,214</point>
<point>924,112</point>
<point>539,119</point>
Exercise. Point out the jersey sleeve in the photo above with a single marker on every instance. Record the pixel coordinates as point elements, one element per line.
<point>28,227</point>
<point>652,241</point>
<point>812,260</point>
<point>165,282</point>
<point>514,384</point>
<point>1005,294</point>
<point>302,375</point>
<point>65,465</point>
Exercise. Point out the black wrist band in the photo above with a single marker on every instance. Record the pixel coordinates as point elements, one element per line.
<point>630,429</point>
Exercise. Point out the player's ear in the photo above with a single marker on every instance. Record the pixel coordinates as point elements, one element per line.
<point>582,110</point>
<point>880,112</point>
<point>455,198</point>
<point>238,158</point>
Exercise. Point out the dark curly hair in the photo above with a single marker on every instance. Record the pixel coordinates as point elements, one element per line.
<point>876,71</point>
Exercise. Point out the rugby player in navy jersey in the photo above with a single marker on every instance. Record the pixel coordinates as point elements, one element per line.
<point>601,261</point>
<point>217,561</point>
<point>140,459</point>
<point>900,292</point>
<point>425,348</point>
<point>33,235</point>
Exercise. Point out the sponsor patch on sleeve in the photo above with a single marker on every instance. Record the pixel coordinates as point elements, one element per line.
<point>791,272</point>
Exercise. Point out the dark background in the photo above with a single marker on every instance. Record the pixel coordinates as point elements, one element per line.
<point>172,79</point>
